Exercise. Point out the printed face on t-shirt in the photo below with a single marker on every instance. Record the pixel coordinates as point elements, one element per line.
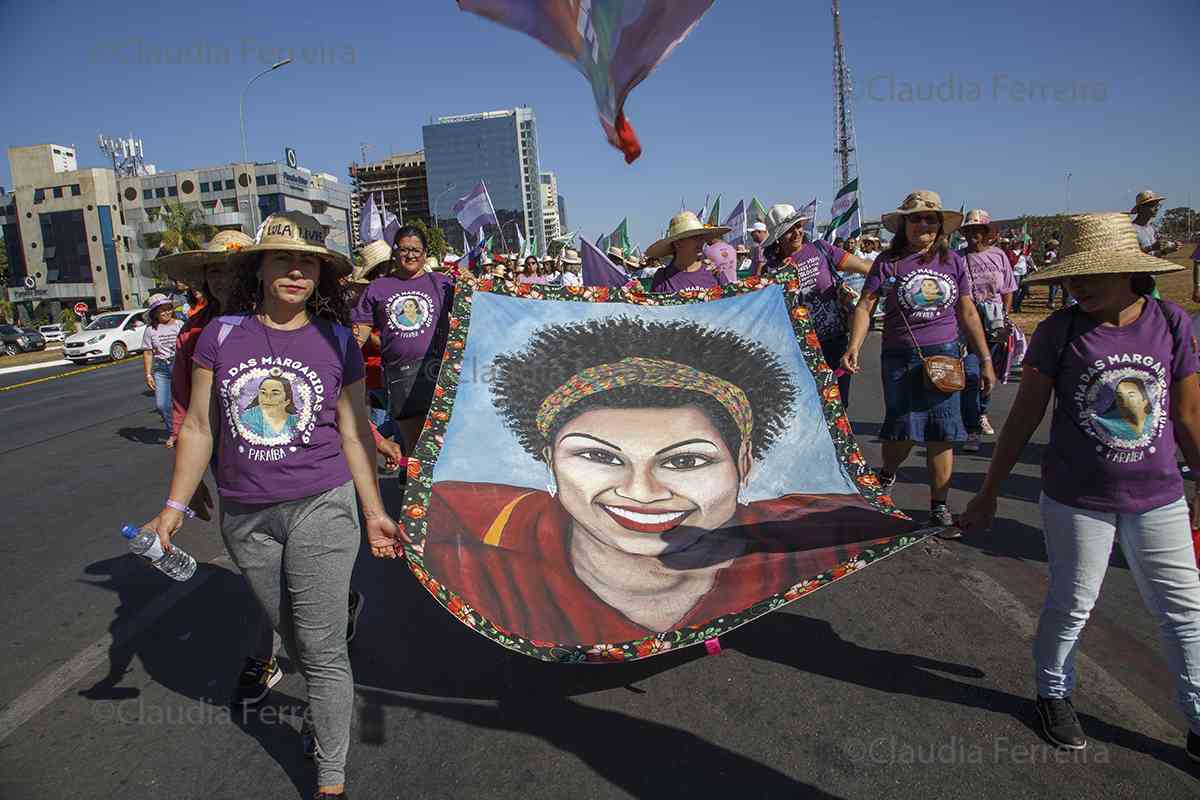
<point>1121,401</point>
<point>926,294</point>
<point>408,312</point>
<point>272,406</point>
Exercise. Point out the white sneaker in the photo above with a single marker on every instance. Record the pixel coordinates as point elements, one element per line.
<point>972,443</point>
<point>985,425</point>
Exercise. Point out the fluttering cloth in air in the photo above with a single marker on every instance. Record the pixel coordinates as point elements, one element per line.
<point>605,474</point>
<point>614,43</point>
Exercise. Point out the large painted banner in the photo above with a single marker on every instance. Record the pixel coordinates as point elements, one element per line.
<point>606,475</point>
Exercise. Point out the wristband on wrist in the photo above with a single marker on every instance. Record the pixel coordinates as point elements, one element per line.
<point>181,508</point>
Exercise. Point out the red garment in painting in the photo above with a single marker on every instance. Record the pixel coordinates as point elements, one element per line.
<point>505,550</point>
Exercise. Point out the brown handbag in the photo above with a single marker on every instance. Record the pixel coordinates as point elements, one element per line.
<point>944,373</point>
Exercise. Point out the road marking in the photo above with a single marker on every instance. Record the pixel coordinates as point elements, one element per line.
<point>1101,682</point>
<point>68,374</point>
<point>58,682</point>
<point>29,367</point>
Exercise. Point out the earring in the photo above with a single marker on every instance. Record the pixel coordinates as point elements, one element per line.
<point>552,486</point>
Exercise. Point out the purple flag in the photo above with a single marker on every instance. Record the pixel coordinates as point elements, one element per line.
<point>614,43</point>
<point>736,222</point>
<point>597,269</point>
<point>391,225</point>
<point>475,210</point>
<point>370,227</point>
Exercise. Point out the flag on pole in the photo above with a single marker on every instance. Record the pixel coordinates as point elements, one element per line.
<point>602,242</point>
<point>370,224</point>
<point>714,213</point>
<point>810,211</point>
<point>614,43</point>
<point>1025,237</point>
<point>956,238</point>
<point>598,270</point>
<point>620,238</point>
<point>736,222</point>
<point>756,212</point>
<point>475,209</point>
<point>846,223</point>
<point>703,212</point>
<point>391,224</point>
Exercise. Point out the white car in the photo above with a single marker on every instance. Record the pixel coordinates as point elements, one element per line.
<point>51,333</point>
<point>113,335</point>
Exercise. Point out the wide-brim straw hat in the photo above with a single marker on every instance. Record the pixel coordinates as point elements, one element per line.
<point>571,257</point>
<point>1101,244</point>
<point>781,218</point>
<point>615,252</point>
<point>920,201</point>
<point>978,218</point>
<point>1145,196</point>
<point>375,255</point>
<point>294,232</point>
<point>684,225</point>
<point>189,265</point>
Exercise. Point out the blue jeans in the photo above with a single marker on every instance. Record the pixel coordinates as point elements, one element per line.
<point>161,370</point>
<point>1158,546</point>
<point>974,404</point>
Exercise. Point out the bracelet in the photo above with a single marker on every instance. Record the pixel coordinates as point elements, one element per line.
<point>181,508</point>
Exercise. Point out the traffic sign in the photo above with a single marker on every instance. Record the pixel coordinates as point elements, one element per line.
<point>81,308</point>
<point>289,156</point>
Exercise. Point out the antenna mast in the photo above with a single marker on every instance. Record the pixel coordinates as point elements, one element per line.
<point>845,144</point>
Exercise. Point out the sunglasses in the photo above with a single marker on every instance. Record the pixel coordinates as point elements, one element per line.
<point>924,219</point>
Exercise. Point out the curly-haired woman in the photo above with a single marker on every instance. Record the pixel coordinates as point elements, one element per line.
<point>650,432</point>
<point>289,516</point>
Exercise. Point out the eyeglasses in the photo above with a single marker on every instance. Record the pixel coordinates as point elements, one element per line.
<point>924,219</point>
<point>408,251</point>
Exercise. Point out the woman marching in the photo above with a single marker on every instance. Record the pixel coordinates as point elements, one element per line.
<point>158,353</point>
<point>685,239</point>
<point>928,303</point>
<point>288,486</point>
<point>1121,367</point>
<point>820,285</point>
<point>411,310</point>
<point>992,284</point>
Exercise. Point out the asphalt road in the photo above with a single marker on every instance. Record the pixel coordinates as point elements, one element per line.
<point>912,678</point>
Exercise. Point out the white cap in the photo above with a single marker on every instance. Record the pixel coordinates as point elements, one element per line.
<point>759,226</point>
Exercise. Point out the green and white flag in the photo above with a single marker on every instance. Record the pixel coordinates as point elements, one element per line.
<point>620,238</point>
<point>756,212</point>
<point>714,213</point>
<point>846,223</point>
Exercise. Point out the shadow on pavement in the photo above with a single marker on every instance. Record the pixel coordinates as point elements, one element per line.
<point>143,435</point>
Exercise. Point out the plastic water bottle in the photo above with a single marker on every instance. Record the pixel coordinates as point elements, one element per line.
<point>144,542</point>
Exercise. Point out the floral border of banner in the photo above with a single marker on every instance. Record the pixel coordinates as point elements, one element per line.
<point>418,489</point>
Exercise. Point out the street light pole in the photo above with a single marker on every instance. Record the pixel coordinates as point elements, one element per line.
<point>436,202</point>
<point>1068,193</point>
<point>242,115</point>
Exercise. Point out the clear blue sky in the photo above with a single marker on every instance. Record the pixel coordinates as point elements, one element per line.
<point>743,107</point>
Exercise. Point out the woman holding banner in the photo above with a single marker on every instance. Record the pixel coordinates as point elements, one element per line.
<point>928,301</point>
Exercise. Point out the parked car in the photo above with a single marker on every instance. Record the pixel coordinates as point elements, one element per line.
<point>15,340</point>
<point>113,335</point>
<point>53,333</point>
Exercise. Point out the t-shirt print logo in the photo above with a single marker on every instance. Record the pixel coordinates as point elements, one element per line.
<point>272,406</point>
<point>925,294</point>
<point>409,312</point>
<point>1123,407</point>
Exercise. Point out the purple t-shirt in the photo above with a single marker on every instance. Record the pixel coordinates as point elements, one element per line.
<point>407,314</point>
<point>989,275</point>
<point>926,294</point>
<point>278,438</point>
<point>161,341</point>
<point>668,279</point>
<point>815,263</point>
<point>1112,442</point>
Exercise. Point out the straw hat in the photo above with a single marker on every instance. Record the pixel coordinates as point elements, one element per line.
<point>293,231</point>
<point>633,262</point>
<point>375,255</point>
<point>156,302</point>
<point>615,252</point>
<point>571,257</point>
<point>1145,196</point>
<point>781,218</point>
<point>918,201</point>
<point>684,225</point>
<point>189,265</point>
<point>978,217</point>
<point>1100,244</point>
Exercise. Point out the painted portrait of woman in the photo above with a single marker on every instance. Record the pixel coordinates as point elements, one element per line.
<point>272,413</point>
<point>411,315</point>
<point>649,432</point>
<point>928,292</point>
<point>1130,414</point>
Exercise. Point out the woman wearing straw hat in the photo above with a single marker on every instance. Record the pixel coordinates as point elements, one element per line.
<point>928,303</point>
<point>685,240</point>
<point>821,286</point>
<point>1121,367</point>
<point>991,283</point>
<point>289,517</point>
<point>158,353</point>
<point>411,310</point>
<point>571,263</point>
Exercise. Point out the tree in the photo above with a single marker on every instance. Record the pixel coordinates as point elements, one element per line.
<point>67,319</point>
<point>6,310</point>
<point>184,229</point>
<point>1180,223</point>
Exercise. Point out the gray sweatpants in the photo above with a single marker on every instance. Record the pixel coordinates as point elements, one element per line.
<point>297,557</point>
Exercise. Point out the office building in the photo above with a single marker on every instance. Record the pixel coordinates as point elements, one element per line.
<point>399,180</point>
<point>562,214</point>
<point>501,149</point>
<point>549,197</point>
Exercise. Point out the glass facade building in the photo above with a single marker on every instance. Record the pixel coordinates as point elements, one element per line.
<point>499,148</point>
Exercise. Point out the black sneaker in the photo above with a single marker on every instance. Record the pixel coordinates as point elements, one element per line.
<point>328,796</point>
<point>940,517</point>
<point>355,607</point>
<point>886,482</point>
<point>256,680</point>
<point>1193,746</point>
<point>1060,724</point>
